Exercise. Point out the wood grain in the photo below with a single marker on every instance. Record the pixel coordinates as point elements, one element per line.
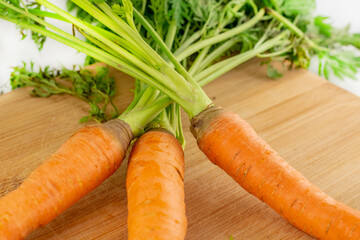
<point>310,122</point>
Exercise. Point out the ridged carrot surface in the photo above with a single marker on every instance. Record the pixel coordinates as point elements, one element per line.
<point>232,144</point>
<point>155,188</point>
<point>81,164</point>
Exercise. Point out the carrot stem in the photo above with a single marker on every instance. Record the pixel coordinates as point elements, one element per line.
<point>221,37</point>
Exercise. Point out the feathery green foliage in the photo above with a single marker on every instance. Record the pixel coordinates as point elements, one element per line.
<point>30,6</point>
<point>95,89</point>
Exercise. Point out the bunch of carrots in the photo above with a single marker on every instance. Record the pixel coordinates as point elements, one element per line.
<point>171,61</point>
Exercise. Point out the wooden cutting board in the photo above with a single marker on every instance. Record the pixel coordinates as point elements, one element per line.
<point>310,122</point>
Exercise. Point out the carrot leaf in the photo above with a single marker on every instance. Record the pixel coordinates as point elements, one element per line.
<point>273,72</point>
<point>38,38</point>
<point>95,89</point>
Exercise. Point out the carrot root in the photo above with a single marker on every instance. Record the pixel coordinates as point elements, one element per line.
<point>232,144</point>
<point>81,164</point>
<point>155,188</point>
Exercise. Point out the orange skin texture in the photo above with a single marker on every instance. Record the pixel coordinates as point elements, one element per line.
<point>232,144</point>
<point>155,188</point>
<point>81,164</point>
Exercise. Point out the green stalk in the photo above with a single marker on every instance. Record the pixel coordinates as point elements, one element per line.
<point>286,22</point>
<point>187,43</point>
<point>120,41</point>
<point>185,33</point>
<point>221,37</point>
<point>224,20</point>
<point>229,64</point>
<point>168,77</point>
<point>125,54</point>
<point>171,78</point>
<point>102,56</point>
<point>170,36</point>
<point>266,33</point>
<point>163,47</point>
<point>147,97</point>
<point>139,90</point>
<point>24,5</point>
<point>253,6</point>
<point>201,98</point>
<point>100,44</point>
<point>295,30</point>
<point>118,25</point>
<point>138,119</point>
<point>113,37</point>
<point>179,129</point>
<point>96,13</point>
<point>219,51</point>
<point>173,118</point>
<point>169,118</point>
<point>86,48</point>
<point>198,60</point>
<point>41,13</point>
<point>161,122</point>
<point>142,11</point>
<point>224,66</point>
<point>127,31</point>
<point>274,54</point>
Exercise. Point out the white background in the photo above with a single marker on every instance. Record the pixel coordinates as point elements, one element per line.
<point>13,50</point>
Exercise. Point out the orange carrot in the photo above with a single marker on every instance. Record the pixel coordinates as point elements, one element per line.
<point>232,144</point>
<point>81,164</point>
<point>155,188</point>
